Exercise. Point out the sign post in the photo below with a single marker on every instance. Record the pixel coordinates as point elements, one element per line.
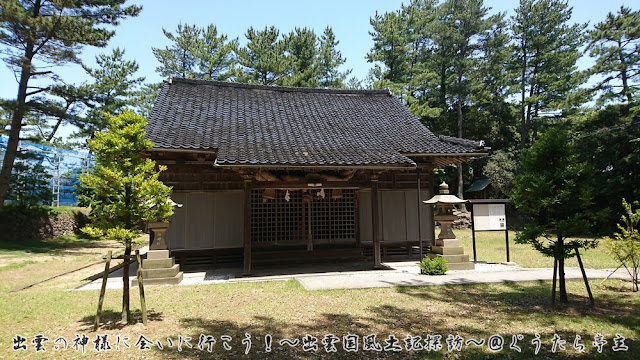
<point>489,215</point>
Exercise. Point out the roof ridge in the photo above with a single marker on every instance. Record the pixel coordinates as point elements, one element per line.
<point>172,80</point>
<point>461,141</point>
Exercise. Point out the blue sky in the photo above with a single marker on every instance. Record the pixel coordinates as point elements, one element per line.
<point>348,18</point>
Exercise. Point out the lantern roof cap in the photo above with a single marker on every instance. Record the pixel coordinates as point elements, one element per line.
<point>444,197</point>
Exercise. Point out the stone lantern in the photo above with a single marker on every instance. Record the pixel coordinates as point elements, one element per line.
<point>447,246</point>
<point>156,235</point>
<point>159,268</point>
<point>157,230</point>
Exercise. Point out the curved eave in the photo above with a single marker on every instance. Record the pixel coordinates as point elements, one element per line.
<point>379,167</point>
<point>441,160</point>
<point>184,150</point>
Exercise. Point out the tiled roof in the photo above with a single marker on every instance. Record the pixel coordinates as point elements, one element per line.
<point>270,125</point>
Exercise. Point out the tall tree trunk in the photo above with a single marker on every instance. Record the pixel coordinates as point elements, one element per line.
<point>16,125</point>
<point>529,118</point>
<point>459,111</point>
<point>523,82</point>
<point>624,76</point>
<point>625,86</point>
<point>443,88</point>
<point>534,122</point>
<point>18,114</point>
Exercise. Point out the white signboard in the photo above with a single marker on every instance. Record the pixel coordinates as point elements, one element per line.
<point>487,217</point>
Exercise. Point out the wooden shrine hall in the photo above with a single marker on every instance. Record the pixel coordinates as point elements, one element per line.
<point>277,174</point>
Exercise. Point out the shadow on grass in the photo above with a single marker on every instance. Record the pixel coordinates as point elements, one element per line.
<point>49,245</point>
<point>111,320</point>
<point>534,299</point>
<point>390,321</point>
<point>470,311</point>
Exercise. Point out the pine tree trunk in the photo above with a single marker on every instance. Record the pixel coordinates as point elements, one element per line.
<point>443,88</point>
<point>523,130</point>
<point>460,118</point>
<point>126,311</point>
<point>534,123</point>
<point>623,75</point>
<point>16,121</point>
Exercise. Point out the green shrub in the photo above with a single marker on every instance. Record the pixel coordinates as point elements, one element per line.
<point>435,266</point>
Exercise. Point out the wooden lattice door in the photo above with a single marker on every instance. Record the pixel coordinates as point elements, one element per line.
<point>306,216</point>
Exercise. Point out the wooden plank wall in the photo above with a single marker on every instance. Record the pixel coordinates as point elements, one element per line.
<point>207,220</point>
<point>398,211</point>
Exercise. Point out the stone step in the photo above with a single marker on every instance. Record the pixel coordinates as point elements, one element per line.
<point>452,258</point>
<point>461,266</point>
<point>157,254</point>
<point>158,263</point>
<point>448,250</point>
<point>160,273</point>
<point>456,262</point>
<point>174,280</point>
<point>447,242</point>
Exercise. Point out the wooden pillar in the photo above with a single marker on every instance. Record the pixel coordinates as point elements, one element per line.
<point>431,222</point>
<point>356,200</point>
<point>375,223</point>
<point>247,227</point>
<point>420,204</point>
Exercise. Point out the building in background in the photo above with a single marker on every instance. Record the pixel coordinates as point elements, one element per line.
<point>62,165</point>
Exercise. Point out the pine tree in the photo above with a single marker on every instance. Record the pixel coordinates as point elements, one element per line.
<point>423,79</point>
<point>546,52</point>
<point>144,99</point>
<point>30,182</point>
<point>197,53</point>
<point>263,59</point>
<point>329,61</point>
<point>494,117</point>
<point>390,48</point>
<point>615,43</point>
<point>62,104</point>
<point>126,189</point>
<point>553,188</point>
<point>301,54</point>
<point>180,58</point>
<point>38,33</point>
<point>605,139</point>
<point>113,88</point>
<point>215,55</point>
<point>466,24</point>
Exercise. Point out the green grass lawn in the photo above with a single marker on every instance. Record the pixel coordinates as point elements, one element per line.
<point>67,209</point>
<point>285,310</point>
<point>491,247</point>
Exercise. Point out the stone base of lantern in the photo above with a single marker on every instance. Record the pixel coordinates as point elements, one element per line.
<point>450,250</point>
<point>159,269</point>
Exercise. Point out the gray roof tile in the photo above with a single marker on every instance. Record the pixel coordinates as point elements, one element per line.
<point>252,124</point>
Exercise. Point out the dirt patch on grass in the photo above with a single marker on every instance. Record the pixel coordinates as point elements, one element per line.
<point>24,267</point>
<point>8,260</point>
